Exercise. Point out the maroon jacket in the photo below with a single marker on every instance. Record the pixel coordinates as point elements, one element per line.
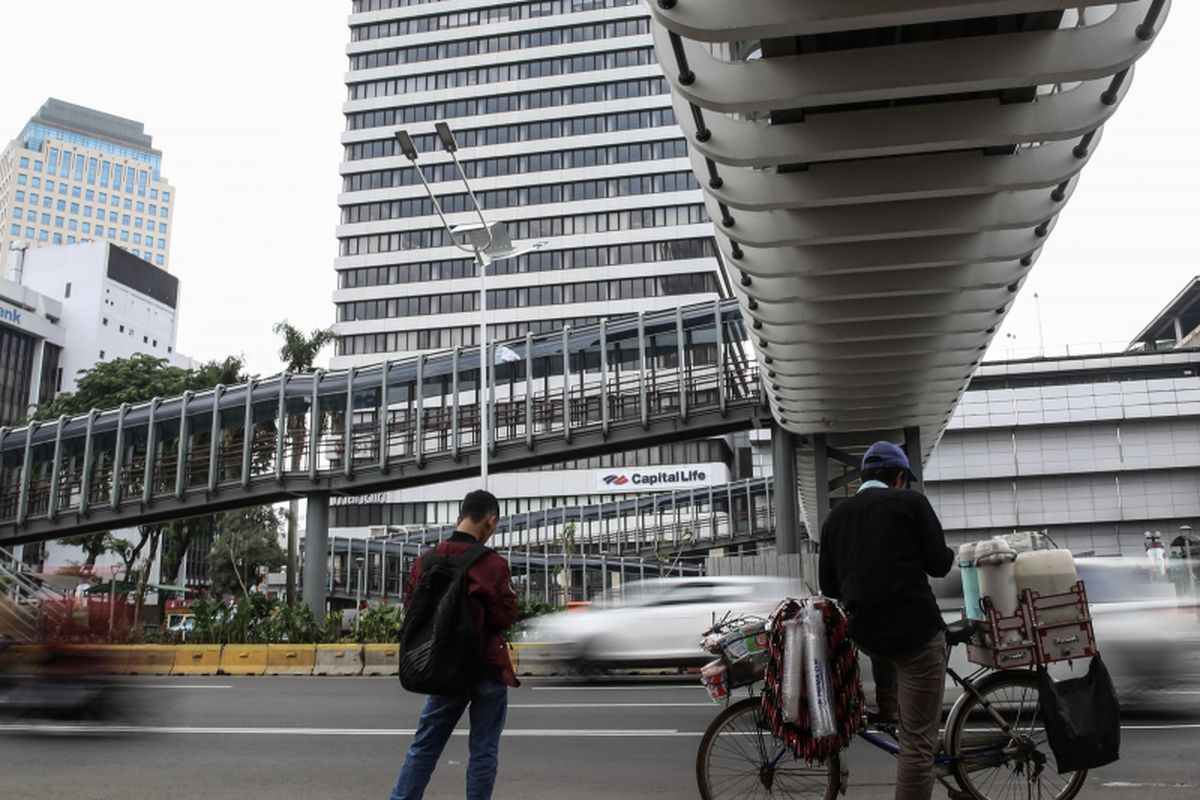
<point>489,585</point>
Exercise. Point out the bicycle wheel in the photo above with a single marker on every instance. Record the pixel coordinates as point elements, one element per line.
<point>991,764</point>
<point>740,758</point>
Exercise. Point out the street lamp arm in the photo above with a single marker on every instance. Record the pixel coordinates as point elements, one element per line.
<point>449,145</point>
<point>410,152</point>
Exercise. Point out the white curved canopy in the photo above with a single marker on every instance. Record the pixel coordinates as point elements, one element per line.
<point>882,176</point>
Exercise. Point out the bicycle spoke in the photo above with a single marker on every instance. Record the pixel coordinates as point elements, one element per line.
<point>737,761</point>
<point>1014,773</point>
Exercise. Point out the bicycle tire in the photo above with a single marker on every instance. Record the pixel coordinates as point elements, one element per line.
<point>734,761</point>
<point>992,776</point>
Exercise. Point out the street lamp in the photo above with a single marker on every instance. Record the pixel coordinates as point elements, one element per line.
<point>488,243</point>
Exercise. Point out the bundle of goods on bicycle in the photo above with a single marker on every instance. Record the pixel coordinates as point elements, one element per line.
<point>1042,629</point>
<point>812,694</point>
<point>741,646</point>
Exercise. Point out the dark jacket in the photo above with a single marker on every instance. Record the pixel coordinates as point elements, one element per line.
<point>492,599</point>
<point>876,550</point>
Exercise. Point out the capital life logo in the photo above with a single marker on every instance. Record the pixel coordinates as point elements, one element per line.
<point>652,480</point>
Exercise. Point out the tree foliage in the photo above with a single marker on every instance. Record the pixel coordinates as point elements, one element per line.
<point>298,352</point>
<point>247,540</point>
<point>138,379</point>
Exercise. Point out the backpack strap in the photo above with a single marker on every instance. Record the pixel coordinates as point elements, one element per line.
<point>464,559</point>
<point>472,554</point>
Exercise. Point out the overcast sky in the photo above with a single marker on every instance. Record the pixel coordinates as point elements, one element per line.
<point>244,100</point>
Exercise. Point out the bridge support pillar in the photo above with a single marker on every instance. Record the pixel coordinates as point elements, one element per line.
<point>787,497</point>
<point>316,547</point>
<point>912,448</point>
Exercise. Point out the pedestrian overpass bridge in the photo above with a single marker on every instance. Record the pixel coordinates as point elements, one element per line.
<point>623,383</point>
<point>599,544</point>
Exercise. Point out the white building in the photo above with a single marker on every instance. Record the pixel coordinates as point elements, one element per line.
<point>66,309</point>
<point>31,343</point>
<point>114,305</point>
<point>565,128</point>
<point>75,174</point>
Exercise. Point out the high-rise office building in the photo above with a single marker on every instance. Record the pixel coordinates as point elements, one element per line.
<point>75,174</point>
<point>566,132</point>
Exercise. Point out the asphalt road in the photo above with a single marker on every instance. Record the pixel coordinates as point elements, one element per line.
<point>288,738</point>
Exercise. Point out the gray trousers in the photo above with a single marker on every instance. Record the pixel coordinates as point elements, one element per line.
<point>912,684</point>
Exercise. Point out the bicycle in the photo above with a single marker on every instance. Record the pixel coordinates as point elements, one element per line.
<point>993,745</point>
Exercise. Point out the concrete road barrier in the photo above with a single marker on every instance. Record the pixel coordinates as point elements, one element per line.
<point>196,659</point>
<point>290,659</point>
<point>21,658</point>
<point>244,659</point>
<point>338,659</point>
<point>381,659</point>
<point>150,659</point>
<point>107,659</point>
<point>533,659</point>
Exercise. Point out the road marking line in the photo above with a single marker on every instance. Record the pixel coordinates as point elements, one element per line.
<point>1184,726</point>
<point>611,705</point>
<point>1129,785</point>
<point>690,687</point>
<point>173,686</point>
<point>515,732</point>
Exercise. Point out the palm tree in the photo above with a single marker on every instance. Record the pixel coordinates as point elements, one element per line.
<point>298,353</point>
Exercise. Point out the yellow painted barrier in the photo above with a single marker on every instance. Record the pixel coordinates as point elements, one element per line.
<point>381,659</point>
<point>196,659</point>
<point>514,655</point>
<point>150,659</point>
<point>244,659</point>
<point>291,659</point>
<point>108,659</point>
<point>338,659</point>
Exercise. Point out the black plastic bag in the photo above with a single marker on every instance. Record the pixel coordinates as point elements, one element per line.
<point>1082,718</point>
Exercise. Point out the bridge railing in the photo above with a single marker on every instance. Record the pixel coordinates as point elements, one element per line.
<point>293,433</point>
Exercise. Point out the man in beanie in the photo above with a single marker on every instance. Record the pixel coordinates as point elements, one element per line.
<point>877,550</point>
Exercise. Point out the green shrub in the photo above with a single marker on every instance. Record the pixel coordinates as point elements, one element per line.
<point>532,607</point>
<point>379,625</point>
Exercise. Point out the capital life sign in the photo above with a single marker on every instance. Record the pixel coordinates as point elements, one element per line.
<point>659,479</point>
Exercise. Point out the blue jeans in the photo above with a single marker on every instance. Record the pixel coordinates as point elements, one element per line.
<point>489,707</point>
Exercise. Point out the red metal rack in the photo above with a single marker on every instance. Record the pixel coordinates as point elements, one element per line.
<point>1045,629</point>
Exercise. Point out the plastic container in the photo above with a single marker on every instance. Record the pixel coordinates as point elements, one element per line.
<point>985,547</point>
<point>1047,572</point>
<point>793,668</point>
<point>998,583</point>
<point>716,679</point>
<point>816,673</point>
<point>970,580</point>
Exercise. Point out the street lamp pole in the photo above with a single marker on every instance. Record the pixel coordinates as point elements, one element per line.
<point>409,149</point>
<point>486,247</point>
<point>446,137</point>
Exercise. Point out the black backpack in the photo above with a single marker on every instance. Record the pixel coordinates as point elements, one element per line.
<point>440,650</point>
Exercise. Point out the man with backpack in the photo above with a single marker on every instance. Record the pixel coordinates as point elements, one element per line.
<point>458,603</point>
